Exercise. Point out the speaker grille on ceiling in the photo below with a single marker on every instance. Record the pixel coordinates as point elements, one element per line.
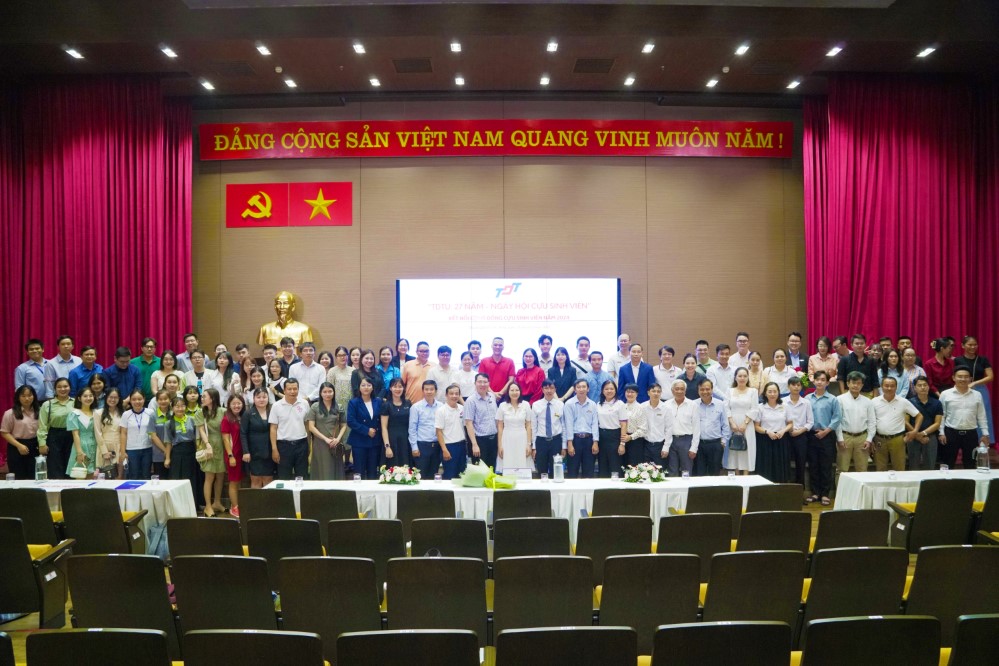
<point>593,65</point>
<point>413,65</point>
<point>233,69</point>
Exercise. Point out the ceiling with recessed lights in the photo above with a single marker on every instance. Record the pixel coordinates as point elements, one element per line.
<point>295,47</point>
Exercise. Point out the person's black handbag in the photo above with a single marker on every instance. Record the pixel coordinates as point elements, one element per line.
<point>737,442</point>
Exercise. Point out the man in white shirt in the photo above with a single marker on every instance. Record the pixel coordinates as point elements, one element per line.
<point>582,360</point>
<point>659,425</point>
<point>444,373</point>
<point>855,433</point>
<point>449,423</point>
<point>310,375</point>
<point>964,422</point>
<point>547,428</point>
<point>621,357</point>
<point>545,360</point>
<point>289,445</point>
<point>682,450</point>
<point>894,430</point>
<point>200,376</point>
<point>666,373</point>
<point>722,374</point>
<point>740,359</point>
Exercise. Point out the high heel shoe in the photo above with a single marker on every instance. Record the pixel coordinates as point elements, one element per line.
<point>218,508</point>
<point>209,515</point>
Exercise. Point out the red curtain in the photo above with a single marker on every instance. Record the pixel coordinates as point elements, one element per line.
<point>901,209</point>
<point>95,217</point>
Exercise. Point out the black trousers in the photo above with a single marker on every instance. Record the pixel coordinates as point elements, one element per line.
<point>400,450</point>
<point>429,460</point>
<point>294,454</point>
<point>60,442</point>
<point>634,451</point>
<point>488,450</point>
<point>584,460</point>
<point>965,441</point>
<point>799,454</point>
<point>821,455</point>
<point>709,457</point>
<point>652,452</point>
<point>547,448</point>
<point>608,459</point>
<point>183,464</point>
<point>23,467</point>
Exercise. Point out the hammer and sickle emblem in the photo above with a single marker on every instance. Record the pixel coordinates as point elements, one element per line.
<point>262,208</point>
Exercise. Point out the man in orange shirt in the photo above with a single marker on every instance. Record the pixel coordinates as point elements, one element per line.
<point>414,372</point>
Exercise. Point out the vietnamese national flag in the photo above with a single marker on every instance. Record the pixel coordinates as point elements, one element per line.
<point>256,205</point>
<point>320,204</point>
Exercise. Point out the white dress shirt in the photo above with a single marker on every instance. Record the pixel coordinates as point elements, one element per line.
<point>310,378</point>
<point>538,411</point>
<point>686,420</point>
<point>964,411</point>
<point>450,422</point>
<point>858,416</point>
<point>722,379</point>
<point>890,416</point>
<point>659,422</point>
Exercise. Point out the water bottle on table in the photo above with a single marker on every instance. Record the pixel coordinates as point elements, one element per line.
<point>41,469</point>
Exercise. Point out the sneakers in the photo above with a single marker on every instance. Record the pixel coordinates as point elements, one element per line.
<point>234,512</point>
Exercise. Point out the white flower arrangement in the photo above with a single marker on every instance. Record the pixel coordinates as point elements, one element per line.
<point>644,473</point>
<point>403,475</point>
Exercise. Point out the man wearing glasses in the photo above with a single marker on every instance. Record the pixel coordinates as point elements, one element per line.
<point>147,362</point>
<point>414,372</point>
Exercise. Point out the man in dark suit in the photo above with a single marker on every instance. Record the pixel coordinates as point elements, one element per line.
<point>637,372</point>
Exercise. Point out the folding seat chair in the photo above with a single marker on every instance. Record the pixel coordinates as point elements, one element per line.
<point>645,591</point>
<point>853,528</point>
<point>95,519</point>
<point>213,647</point>
<point>986,513</point>
<point>223,592</point>
<point>379,540</point>
<point>274,538</point>
<point>714,499</point>
<point>31,505</point>
<point>759,585</point>
<point>701,534</point>
<point>521,504</point>
<point>581,646</point>
<point>621,502</point>
<point>33,578</point>
<point>600,537</point>
<point>127,591</point>
<point>107,647</point>
<point>417,647</point>
<point>450,537</point>
<point>883,640</point>
<point>775,530</point>
<point>203,536</point>
<point>974,640</point>
<point>413,504</point>
<point>950,581</point>
<point>326,504</point>
<point>775,497</point>
<point>6,650</point>
<point>942,516</point>
<point>849,582</point>
<point>329,596</point>
<point>543,591</point>
<point>438,593</point>
<point>516,537</point>
<point>697,644</point>
<point>265,503</point>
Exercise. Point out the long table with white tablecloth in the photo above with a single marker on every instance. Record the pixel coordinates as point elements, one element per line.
<point>378,500</point>
<point>873,490</point>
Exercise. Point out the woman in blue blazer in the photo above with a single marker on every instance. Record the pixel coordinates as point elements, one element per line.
<point>363,419</point>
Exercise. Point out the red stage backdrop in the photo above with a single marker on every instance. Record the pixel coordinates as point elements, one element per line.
<point>468,138</point>
<point>289,205</point>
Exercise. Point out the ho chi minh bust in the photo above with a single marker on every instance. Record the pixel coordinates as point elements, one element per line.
<point>285,326</point>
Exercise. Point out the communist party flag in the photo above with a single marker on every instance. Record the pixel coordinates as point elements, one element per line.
<point>320,204</point>
<point>257,205</point>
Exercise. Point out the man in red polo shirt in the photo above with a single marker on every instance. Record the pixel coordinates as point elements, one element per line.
<point>499,369</point>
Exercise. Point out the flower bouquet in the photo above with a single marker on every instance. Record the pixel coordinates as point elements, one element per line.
<point>481,475</point>
<point>803,376</point>
<point>404,475</point>
<point>644,473</point>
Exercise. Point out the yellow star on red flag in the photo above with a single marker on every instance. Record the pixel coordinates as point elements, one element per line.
<point>320,205</point>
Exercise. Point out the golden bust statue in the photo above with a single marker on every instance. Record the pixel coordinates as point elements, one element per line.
<point>285,326</point>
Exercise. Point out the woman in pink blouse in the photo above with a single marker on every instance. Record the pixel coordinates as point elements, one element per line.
<point>824,360</point>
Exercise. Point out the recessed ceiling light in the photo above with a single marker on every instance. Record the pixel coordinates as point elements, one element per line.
<point>794,84</point>
<point>712,83</point>
<point>207,85</point>
<point>359,48</point>
<point>631,79</point>
<point>648,47</point>
<point>834,51</point>
<point>168,52</point>
<point>455,47</point>
<point>73,53</point>
<point>375,82</point>
<point>742,49</point>
<point>545,80</point>
<point>263,50</point>
<point>290,83</point>
<point>459,80</point>
<point>922,54</point>
<point>552,46</point>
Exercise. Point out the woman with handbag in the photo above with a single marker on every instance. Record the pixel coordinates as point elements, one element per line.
<point>182,432</point>
<point>80,423</point>
<point>210,455</point>
<point>743,405</point>
<point>107,420</point>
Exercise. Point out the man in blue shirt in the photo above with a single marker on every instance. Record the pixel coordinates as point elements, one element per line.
<point>582,432</point>
<point>715,431</point>
<point>826,415</point>
<point>123,375</point>
<point>480,422</point>
<point>60,365</point>
<point>32,371</point>
<point>596,377</point>
<point>79,377</point>
<point>423,432</point>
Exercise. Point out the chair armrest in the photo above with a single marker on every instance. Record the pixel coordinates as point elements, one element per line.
<point>988,537</point>
<point>901,510</point>
<point>136,520</point>
<point>54,553</point>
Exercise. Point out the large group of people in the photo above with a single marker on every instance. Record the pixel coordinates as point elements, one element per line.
<point>297,412</point>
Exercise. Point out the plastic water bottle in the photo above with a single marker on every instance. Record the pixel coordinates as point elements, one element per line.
<point>558,469</point>
<point>41,469</point>
<point>982,458</point>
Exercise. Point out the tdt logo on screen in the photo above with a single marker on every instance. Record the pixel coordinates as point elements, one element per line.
<point>508,289</point>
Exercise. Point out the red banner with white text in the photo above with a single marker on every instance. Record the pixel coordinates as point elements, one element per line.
<point>472,138</point>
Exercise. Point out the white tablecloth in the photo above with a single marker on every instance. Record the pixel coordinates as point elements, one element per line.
<point>568,498</point>
<point>165,500</point>
<point>873,490</point>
